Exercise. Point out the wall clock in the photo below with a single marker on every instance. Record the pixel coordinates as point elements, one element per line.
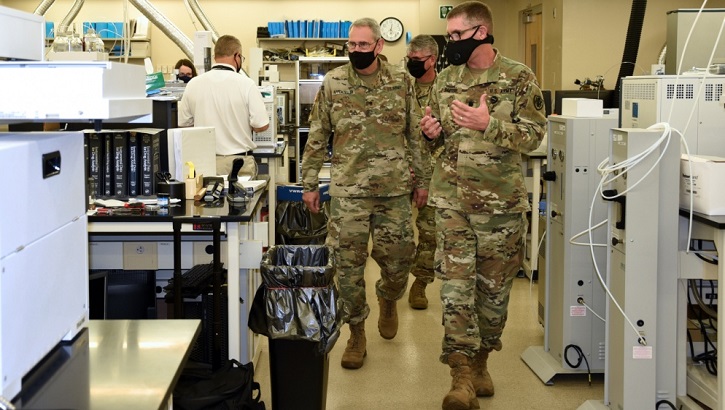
<point>391,28</point>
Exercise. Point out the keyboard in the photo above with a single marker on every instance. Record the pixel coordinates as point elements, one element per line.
<point>194,281</point>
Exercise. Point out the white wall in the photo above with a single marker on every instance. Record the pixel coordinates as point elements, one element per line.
<point>594,33</point>
<point>239,18</point>
<point>582,38</point>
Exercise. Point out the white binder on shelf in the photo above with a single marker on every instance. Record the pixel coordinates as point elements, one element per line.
<point>195,144</point>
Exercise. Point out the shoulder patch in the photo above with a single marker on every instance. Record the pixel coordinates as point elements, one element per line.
<point>538,102</point>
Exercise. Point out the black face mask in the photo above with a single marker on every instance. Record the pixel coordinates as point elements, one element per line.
<point>417,68</point>
<point>458,52</point>
<point>184,78</point>
<point>238,67</point>
<point>362,60</point>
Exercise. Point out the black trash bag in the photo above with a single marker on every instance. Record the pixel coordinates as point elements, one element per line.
<point>296,225</point>
<point>298,299</point>
<point>298,266</point>
<point>230,387</point>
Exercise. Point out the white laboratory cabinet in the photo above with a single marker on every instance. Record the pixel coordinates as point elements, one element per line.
<point>43,249</point>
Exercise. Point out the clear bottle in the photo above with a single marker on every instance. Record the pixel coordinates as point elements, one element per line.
<point>61,40</point>
<point>92,42</point>
<point>75,43</point>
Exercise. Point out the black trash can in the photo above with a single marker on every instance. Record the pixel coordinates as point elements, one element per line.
<point>298,309</point>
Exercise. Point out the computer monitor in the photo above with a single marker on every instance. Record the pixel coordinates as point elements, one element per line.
<point>547,101</point>
<point>607,96</point>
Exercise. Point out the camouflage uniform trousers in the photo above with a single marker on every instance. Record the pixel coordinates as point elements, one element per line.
<point>352,222</point>
<point>423,266</point>
<point>477,258</point>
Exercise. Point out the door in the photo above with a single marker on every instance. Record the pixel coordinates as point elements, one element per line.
<point>531,19</point>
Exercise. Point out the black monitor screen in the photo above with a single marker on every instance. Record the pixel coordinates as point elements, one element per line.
<point>547,101</point>
<point>607,96</point>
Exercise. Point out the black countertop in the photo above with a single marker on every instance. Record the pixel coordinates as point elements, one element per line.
<point>226,212</point>
<point>715,221</point>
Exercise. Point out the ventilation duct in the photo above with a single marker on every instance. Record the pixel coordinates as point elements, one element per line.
<point>631,44</point>
<point>75,8</point>
<point>43,7</point>
<point>166,26</point>
<point>199,13</point>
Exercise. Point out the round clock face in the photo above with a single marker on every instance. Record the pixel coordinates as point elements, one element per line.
<point>391,29</point>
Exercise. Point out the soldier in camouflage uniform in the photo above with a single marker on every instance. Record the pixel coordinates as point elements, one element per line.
<point>422,54</point>
<point>485,110</point>
<point>370,107</point>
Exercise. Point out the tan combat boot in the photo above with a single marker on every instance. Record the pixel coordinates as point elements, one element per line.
<point>416,296</point>
<point>356,350</point>
<point>482,382</point>
<point>388,320</point>
<point>462,395</point>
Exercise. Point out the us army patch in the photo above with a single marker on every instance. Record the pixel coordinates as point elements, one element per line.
<point>538,102</point>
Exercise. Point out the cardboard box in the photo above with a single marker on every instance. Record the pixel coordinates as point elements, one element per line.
<point>708,197</point>
<point>293,192</point>
<point>582,107</point>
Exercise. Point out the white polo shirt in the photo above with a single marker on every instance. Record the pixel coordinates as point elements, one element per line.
<point>228,101</point>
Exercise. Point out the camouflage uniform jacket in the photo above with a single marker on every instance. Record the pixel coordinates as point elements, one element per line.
<point>376,135</point>
<point>422,95</point>
<point>480,171</point>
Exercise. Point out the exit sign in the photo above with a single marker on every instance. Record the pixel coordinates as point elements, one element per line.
<point>444,10</point>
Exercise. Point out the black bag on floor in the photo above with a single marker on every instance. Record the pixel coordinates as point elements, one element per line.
<point>232,387</point>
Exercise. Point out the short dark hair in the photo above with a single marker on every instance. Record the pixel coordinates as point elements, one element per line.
<point>475,13</point>
<point>186,63</point>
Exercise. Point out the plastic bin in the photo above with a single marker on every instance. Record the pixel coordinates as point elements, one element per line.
<point>298,309</point>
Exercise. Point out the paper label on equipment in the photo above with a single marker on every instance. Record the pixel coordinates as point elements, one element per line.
<point>577,311</point>
<point>642,352</point>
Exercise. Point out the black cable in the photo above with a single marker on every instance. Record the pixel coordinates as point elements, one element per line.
<point>691,344</point>
<point>581,354</point>
<point>708,357</point>
<point>667,402</point>
<point>699,248</point>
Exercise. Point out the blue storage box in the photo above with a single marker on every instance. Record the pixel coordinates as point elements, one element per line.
<point>101,29</point>
<point>116,29</point>
<point>293,192</point>
<point>49,29</point>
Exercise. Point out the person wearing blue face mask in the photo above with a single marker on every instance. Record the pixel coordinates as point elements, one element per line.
<point>422,54</point>
<point>485,110</point>
<point>185,70</point>
<point>370,106</point>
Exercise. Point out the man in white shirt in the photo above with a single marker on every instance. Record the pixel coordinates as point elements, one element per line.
<point>230,102</point>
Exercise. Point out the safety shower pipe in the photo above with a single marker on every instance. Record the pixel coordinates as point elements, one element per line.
<point>43,7</point>
<point>171,31</point>
<point>199,13</point>
<point>74,9</point>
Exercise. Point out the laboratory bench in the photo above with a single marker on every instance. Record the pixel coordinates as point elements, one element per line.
<point>112,364</point>
<point>145,242</point>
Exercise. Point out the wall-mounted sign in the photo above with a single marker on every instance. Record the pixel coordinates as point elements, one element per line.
<point>443,11</point>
